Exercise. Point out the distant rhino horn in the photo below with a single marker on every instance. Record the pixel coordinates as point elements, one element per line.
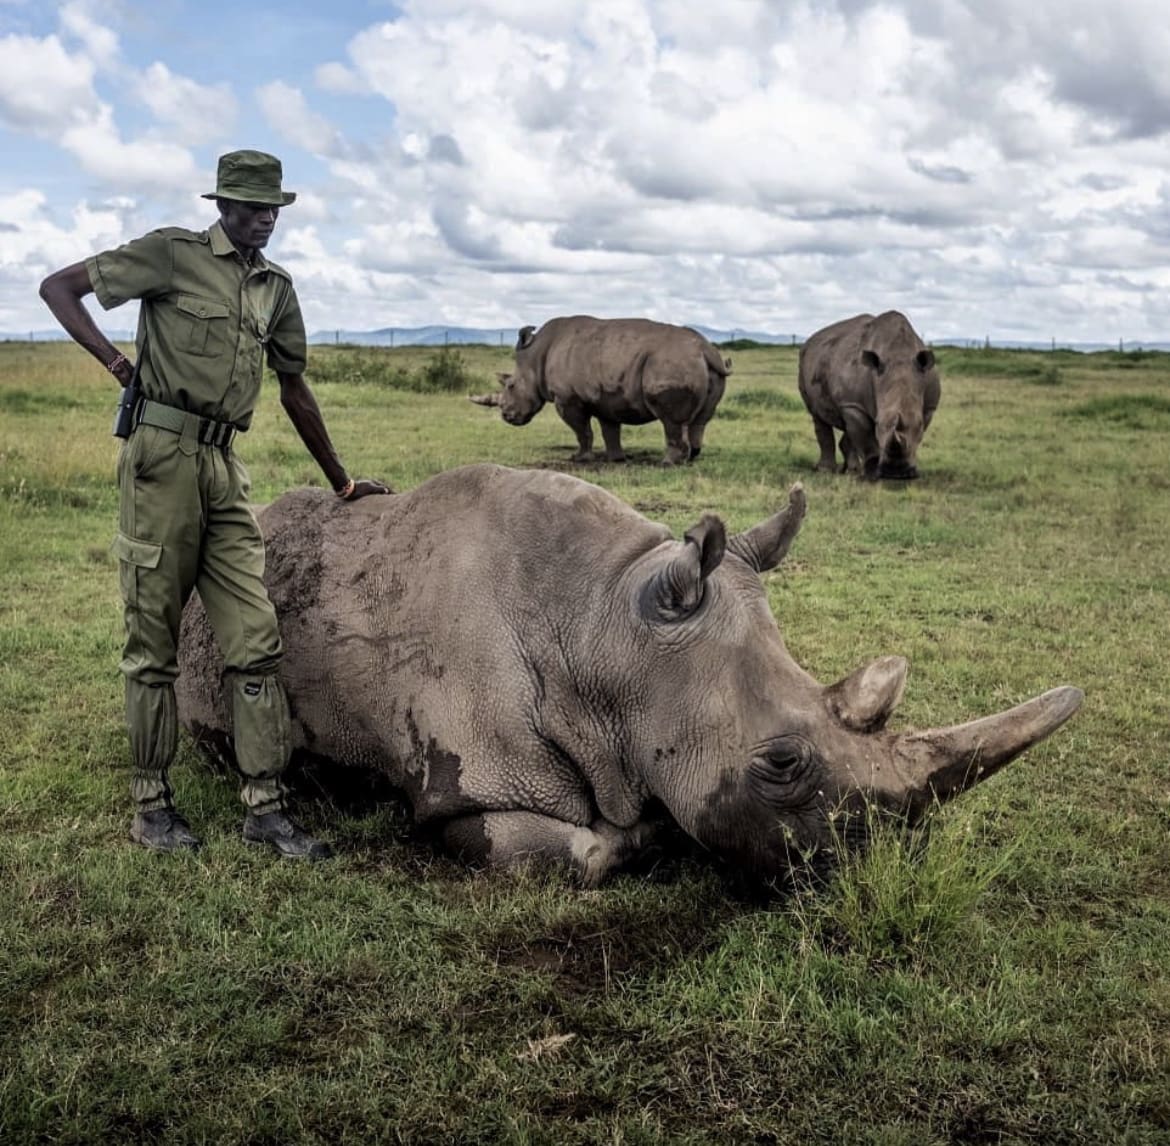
<point>492,399</point>
<point>764,545</point>
<point>942,762</point>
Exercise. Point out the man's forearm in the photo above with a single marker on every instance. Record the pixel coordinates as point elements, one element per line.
<point>305,415</point>
<point>62,293</point>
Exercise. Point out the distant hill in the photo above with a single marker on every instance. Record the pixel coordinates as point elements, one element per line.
<point>438,335</point>
<point>496,336</point>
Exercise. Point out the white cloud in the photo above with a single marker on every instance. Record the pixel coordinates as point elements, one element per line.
<point>758,165</point>
<point>190,112</point>
<point>43,87</point>
<point>143,164</point>
<point>286,111</point>
<point>335,77</point>
<point>99,42</point>
<point>33,242</point>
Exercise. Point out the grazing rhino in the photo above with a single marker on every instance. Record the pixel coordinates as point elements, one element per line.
<point>874,380</point>
<point>621,371</point>
<point>542,670</point>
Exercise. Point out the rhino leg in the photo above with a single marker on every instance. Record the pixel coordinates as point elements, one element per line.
<point>698,429</point>
<point>828,445</point>
<point>678,445</point>
<point>502,839</point>
<point>861,452</point>
<point>717,383</point>
<point>577,418</point>
<point>612,433</point>
<point>851,463</point>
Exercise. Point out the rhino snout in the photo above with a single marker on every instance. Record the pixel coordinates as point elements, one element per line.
<point>899,452</point>
<point>897,471</point>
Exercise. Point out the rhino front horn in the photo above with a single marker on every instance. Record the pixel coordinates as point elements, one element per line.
<point>942,762</point>
<point>492,399</point>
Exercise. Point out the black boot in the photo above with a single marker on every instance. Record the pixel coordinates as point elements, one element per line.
<point>163,830</point>
<point>288,837</point>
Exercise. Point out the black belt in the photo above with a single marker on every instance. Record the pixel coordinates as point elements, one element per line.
<point>208,431</point>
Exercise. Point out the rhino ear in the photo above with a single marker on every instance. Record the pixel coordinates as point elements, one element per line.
<point>676,591</point>
<point>871,360</point>
<point>524,336</point>
<point>763,546</point>
<point>864,700</point>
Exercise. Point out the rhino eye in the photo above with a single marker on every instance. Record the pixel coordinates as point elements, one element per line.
<point>783,769</point>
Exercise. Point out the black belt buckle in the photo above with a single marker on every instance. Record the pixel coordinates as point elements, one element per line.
<point>217,434</point>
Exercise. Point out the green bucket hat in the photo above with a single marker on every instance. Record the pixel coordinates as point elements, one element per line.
<point>250,177</point>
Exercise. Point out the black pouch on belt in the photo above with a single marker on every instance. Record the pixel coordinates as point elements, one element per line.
<point>129,401</point>
<point>127,404</point>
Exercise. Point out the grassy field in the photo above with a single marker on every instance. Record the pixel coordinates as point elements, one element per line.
<point>1007,983</point>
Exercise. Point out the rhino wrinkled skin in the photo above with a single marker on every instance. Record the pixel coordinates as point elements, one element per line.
<point>875,381</point>
<point>542,671</point>
<point>621,371</point>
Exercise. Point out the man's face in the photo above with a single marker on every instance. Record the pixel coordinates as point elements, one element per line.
<point>248,225</point>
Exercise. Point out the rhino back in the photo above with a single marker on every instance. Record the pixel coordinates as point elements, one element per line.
<point>416,625</point>
<point>830,373</point>
<point>623,368</point>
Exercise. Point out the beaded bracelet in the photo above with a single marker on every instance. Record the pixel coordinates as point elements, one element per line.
<point>115,362</point>
<point>346,491</point>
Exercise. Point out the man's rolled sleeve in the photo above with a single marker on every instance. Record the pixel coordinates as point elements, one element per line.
<point>138,269</point>
<point>287,345</point>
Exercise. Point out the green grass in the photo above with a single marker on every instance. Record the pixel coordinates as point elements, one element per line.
<point>999,980</point>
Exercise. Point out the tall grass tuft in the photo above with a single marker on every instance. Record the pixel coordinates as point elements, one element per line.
<point>903,898</point>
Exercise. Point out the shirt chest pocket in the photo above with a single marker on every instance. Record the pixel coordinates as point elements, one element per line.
<point>202,325</point>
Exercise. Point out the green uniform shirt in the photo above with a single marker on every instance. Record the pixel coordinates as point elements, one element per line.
<point>210,318</point>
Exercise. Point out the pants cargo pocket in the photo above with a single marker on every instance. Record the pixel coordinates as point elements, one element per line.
<point>134,555</point>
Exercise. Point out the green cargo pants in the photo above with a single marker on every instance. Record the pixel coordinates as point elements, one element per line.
<point>185,523</point>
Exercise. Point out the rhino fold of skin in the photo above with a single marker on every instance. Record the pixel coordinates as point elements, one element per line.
<point>621,371</point>
<point>537,666</point>
<point>873,380</point>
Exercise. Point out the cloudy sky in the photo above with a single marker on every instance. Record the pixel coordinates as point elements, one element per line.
<point>989,167</point>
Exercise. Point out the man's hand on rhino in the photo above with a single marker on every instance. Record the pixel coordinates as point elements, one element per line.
<point>363,487</point>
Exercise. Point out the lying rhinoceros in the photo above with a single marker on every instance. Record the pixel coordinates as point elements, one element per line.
<point>539,667</point>
<point>874,380</point>
<point>621,371</point>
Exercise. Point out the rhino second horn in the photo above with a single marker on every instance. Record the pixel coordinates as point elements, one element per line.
<point>864,700</point>
<point>942,762</point>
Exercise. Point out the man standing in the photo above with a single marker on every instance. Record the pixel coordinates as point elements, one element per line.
<point>213,309</point>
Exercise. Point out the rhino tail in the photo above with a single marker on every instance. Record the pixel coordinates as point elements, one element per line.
<point>716,363</point>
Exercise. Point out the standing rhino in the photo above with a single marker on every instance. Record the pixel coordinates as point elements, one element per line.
<point>874,380</point>
<point>542,670</point>
<point>621,371</point>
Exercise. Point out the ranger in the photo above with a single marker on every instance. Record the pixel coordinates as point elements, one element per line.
<point>213,311</point>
